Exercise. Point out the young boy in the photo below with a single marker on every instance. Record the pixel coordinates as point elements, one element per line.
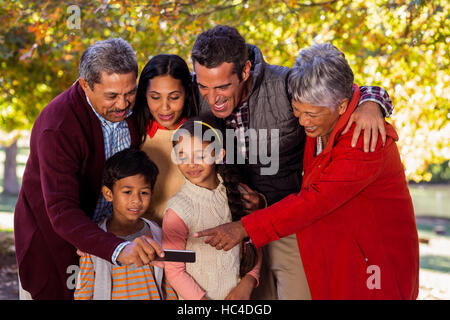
<point>128,180</point>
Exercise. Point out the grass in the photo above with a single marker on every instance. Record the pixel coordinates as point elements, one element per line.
<point>7,203</point>
<point>427,230</point>
<point>435,262</point>
<point>431,200</point>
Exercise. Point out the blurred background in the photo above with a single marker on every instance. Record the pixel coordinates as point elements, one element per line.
<point>402,46</point>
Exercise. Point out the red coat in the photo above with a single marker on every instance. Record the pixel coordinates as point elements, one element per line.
<point>60,188</point>
<point>353,215</point>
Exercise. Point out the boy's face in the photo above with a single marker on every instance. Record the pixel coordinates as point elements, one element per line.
<point>130,197</point>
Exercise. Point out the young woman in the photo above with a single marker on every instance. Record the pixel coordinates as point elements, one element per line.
<point>164,100</point>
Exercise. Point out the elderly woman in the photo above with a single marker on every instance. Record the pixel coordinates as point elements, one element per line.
<point>354,217</point>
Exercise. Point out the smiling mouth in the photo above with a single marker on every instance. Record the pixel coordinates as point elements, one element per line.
<point>166,117</point>
<point>220,107</point>
<point>119,113</point>
<point>134,210</point>
<point>310,129</point>
<point>220,104</point>
<point>194,173</point>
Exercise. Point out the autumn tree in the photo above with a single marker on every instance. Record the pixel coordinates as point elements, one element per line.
<point>400,45</point>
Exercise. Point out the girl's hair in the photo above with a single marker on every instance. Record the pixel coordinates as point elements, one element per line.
<point>127,163</point>
<point>161,65</point>
<point>208,127</point>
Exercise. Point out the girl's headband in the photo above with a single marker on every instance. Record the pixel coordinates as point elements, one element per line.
<point>209,126</point>
<point>205,124</point>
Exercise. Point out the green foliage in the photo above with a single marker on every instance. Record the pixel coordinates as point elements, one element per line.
<point>440,172</point>
<point>400,45</point>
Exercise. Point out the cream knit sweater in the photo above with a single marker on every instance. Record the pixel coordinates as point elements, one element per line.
<point>169,180</point>
<point>216,271</point>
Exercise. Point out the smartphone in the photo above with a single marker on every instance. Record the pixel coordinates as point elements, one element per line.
<point>177,256</point>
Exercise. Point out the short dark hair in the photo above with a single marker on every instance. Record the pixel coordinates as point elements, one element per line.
<point>218,45</point>
<point>127,163</point>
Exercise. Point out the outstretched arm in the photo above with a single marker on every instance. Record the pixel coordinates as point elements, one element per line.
<point>298,211</point>
<point>175,234</point>
<point>225,236</point>
<point>374,105</point>
<point>60,169</point>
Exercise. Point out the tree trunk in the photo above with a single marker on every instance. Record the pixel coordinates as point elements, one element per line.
<point>10,182</point>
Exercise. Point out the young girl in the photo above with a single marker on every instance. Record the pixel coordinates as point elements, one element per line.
<point>209,197</point>
<point>129,177</point>
<point>164,99</point>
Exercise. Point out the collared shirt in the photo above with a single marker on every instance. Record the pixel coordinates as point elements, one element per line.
<point>117,137</point>
<point>238,119</point>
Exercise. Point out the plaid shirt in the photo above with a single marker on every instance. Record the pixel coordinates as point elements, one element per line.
<point>238,119</point>
<point>378,95</point>
<point>117,137</point>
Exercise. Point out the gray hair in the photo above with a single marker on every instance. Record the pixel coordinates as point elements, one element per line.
<point>321,76</point>
<point>110,56</point>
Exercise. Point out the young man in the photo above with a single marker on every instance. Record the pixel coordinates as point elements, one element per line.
<point>237,85</point>
<point>60,196</point>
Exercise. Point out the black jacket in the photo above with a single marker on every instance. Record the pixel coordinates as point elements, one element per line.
<point>270,108</point>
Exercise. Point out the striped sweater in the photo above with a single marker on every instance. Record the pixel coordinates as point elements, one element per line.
<point>100,280</point>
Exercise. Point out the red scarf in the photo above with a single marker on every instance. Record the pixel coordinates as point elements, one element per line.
<point>153,126</point>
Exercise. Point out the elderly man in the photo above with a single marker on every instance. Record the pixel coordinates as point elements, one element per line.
<point>354,217</point>
<point>238,86</point>
<point>60,197</point>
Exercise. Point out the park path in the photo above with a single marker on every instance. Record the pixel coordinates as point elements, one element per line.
<point>6,220</point>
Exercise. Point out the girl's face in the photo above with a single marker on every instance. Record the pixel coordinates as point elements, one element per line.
<point>196,161</point>
<point>165,98</point>
<point>130,197</point>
